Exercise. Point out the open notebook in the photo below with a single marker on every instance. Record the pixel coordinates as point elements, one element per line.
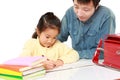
<point>78,64</point>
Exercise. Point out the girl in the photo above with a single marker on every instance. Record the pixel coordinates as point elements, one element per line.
<point>44,42</point>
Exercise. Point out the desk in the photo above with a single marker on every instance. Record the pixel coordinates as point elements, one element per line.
<point>82,70</point>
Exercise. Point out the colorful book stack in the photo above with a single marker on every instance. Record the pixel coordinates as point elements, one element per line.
<point>22,68</point>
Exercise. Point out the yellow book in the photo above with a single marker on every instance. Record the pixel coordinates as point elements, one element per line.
<point>10,72</point>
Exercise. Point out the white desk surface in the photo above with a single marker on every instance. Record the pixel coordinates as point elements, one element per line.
<point>82,70</point>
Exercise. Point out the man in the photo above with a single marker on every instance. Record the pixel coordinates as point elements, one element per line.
<point>86,23</point>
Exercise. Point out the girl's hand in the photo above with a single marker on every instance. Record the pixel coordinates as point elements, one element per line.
<point>49,64</point>
<point>59,62</point>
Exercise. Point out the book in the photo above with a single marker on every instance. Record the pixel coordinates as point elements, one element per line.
<point>26,61</point>
<point>10,77</point>
<point>10,72</point>
<point>29,62</point>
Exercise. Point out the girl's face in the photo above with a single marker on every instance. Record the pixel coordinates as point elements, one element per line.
<point>48,37</point>
<point>84,11</point>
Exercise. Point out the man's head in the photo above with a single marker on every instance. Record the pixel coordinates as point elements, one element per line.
<point>95,2</point>
<point>84,9</point>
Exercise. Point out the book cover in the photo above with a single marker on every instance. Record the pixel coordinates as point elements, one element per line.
<point>26,61</point>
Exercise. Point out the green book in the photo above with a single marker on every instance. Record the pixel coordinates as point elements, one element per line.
<point>10,77</point>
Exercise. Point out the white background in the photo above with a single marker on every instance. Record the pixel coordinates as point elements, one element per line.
<point>18,20</point>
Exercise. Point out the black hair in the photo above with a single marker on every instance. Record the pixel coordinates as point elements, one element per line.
<point>48,20</point>
<point>95,2</point>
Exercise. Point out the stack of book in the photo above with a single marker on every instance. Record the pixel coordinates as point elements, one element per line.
<point>22,68</point>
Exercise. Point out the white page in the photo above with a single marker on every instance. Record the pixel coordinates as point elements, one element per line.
<point>78,64</point>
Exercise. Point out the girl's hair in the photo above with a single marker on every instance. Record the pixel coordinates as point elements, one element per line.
<point>48,20</point>
<point>95,2</point>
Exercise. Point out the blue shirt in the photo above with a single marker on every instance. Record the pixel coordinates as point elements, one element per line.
<point>85,36</point>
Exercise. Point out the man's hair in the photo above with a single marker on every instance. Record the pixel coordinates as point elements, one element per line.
<point>95,2</point>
